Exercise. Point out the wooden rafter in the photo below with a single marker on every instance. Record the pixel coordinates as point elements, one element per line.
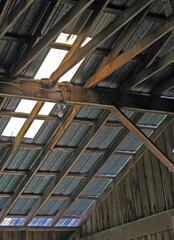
<point>124,171</point>
<point>142,227</point>
<point>147,142</point>
<point>149,71</point>
<point>68,165</point>
<point>137,48</point>
<point>39,160</point>
<point>100,163</point>
<point>51,35</point>
<point>3,7</point>
<point>20,8</point>
<point>102,36</point>
<point>126,35</point>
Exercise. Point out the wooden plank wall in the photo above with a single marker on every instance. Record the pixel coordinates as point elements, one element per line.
<point>146,190</point>
<point>34,235</point>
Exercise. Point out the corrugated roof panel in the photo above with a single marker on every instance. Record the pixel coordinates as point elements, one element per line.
<point>51,207</point>
<point>3,201</point>
<point>23,159</point>
<point>115,79</point>
<point>132,143</point>
<point>157,8</point>
<point>79,207</point>
<point>105,137</point>
<point>45,132</point>
<point>114,165</point>
<point>68,185</point>
<point>89,113</point>
<point>11,104</point>
<point>3,123</point>
<point>73,134</point>
<point>8,183</point>
<point>3,151</point>
<point>85,163</point>
<point>22,206</point>
<point>169,93</point>
<point>152,119</point>
<point>38,184</point>
<point>87,69</point>
<point>55,161</point>
<point>96,187</point>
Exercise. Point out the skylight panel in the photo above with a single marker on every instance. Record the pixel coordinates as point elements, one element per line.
<point>34,128</point>
<point>46,109</point>
<point>13,127</point>
<point>55,57</point>
<point>25,106</point>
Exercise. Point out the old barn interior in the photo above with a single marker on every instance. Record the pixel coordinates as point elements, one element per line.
<point>86,119</point>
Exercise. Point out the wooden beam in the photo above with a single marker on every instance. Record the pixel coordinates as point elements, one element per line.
<point>100,163</point>
<point>72,95</point>
<point>125,36</point>
<point>35,229</point>
<point>142,227</point>
<point>102,36</point>
<point>20,135</point>
<point>51,35</point>
<point>68,165</point>
<point>39,160</point>
<point>137,48</point>
<point>124,171</point>
<point>20,8</point>
<point>145,140</point>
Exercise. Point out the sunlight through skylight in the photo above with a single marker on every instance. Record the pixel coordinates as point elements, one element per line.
<point>55,57</point>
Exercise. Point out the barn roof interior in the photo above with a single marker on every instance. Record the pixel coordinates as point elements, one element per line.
<point>84,85</point>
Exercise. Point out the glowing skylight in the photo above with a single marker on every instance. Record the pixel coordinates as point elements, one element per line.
<point>15,124</point>
<point>55,57</point>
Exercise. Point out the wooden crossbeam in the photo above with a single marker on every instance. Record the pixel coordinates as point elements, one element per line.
<point>68,165</point>
<point>39,160</point>
<point>149,71</point>
<point>85,97</point>
<point>20,8</point>
<point>102,36</point>
<point>51,35</point>
<point>142,227</point>
<point>100,163</point>
<point>147,142</point>
<point>124,171</point>
<point>35,229</point>
<point>19,136</point>
<point>137,48</point>
<point>125,36</point>
<point>114,124</point>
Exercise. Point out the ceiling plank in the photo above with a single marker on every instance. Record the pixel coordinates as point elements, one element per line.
<point>149,71</point>
<point>20,135</point>
<point>124,171</point>
<point>73,95</point>
<point>51,35</point>
<point>145,140</point>
<point>20,8</point>
<point>142,227</point>
<point>39,160</point>
<point>68,165</point>
<point>137,48</point>
<point>120,21</point>
<point>125,36</point>
<point>100,163</point>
